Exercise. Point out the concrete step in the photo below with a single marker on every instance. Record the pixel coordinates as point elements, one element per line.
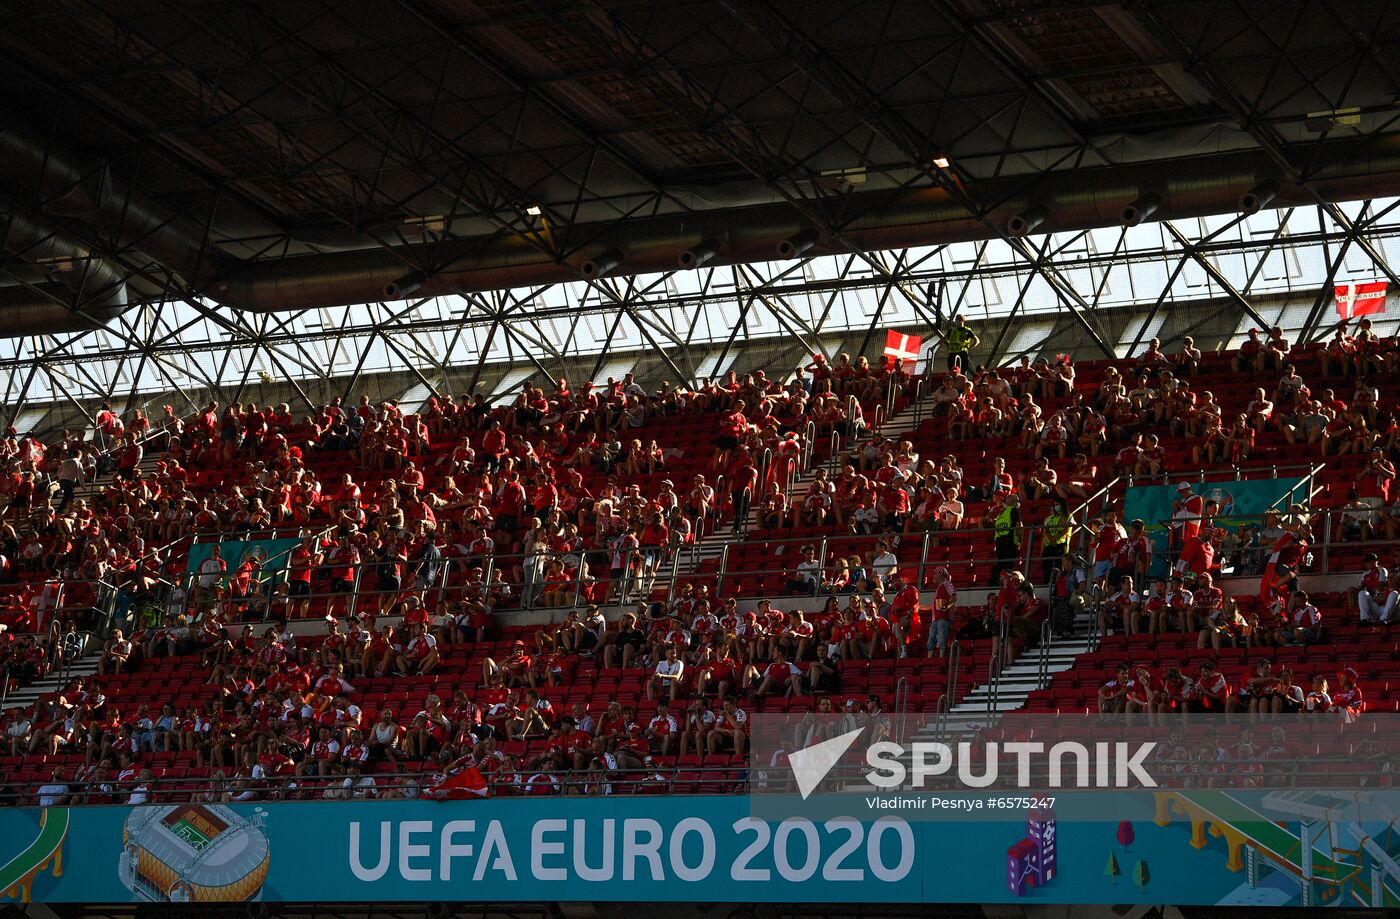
<point>1007,691</point>
<point>28,695</point>
<point>1004,705</point>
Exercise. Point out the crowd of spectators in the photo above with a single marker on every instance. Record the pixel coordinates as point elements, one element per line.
<point>569,499</point>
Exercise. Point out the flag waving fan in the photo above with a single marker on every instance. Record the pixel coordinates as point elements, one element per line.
<point>459,784</point>
<point>1364,299</point>
<point>902,347</point>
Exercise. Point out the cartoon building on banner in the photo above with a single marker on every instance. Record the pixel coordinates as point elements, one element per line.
<point>1033,861</point>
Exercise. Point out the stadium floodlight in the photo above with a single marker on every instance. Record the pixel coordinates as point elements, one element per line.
<point>941,161</point>
<point>698,255</point>
<point>534,210</point>
<point>1024,223</point>
<point>1145,206</point>
<point>797,243</point>
<point>1258,197</point>
<point>600,265</point>
<point>405,286</point>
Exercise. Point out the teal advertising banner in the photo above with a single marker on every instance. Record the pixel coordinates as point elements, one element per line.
<point>272,553</point>
<point>1189,847</point>
<point>1241,502</point>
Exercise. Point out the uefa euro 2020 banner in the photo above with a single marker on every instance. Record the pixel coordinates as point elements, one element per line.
<point>1239,503</point>
<point>864,810</point>
<point>271,554</point>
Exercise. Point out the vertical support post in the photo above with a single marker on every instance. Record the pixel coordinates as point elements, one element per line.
<point>1305,865</point>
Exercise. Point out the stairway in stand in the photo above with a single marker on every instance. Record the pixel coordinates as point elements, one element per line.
<point>712,545</point>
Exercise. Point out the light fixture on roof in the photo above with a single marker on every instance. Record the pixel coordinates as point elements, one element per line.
<point>56,264</point>
<point>534,210</point>
<point>1258,197</point>
<point>840,181</point>
<point>698,255</point>
<point>797,243</point>
<point>1024,223</point>
<point>1317,122</point>
<point>942,161</point>
<point>1145,206</point>
<point>424,226</point>
<point>600,265</point>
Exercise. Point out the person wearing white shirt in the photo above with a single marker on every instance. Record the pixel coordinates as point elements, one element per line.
<point>18,732</point>
<point>55,793</point>
<point>807,577</point>
<point>885,563</point>
<point>668,676</point>
<point>1379,606</point>
<point>141,791</point>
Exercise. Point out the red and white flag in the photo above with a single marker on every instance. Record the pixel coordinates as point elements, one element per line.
<point>902,347</point>
<point>1360,299</point>
<point>464,784</point>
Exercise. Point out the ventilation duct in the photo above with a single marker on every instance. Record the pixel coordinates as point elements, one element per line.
<point>598,266</point>
<point>61,287</point>
<point>1026,222</point>
<point>696,256</point>
<point>874,220</point>
<point>70,186</point>
<point>1144,207</point>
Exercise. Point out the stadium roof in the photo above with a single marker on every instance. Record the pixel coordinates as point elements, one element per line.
<point>272,157</point>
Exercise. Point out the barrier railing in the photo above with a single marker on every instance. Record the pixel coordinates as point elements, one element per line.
<point>233,786</point>
<point>1335,768</point>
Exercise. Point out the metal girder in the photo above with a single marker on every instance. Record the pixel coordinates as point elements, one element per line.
<point>1190,251</point>
<point>821,67</point>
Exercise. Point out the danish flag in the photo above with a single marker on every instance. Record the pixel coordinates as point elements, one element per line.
<point>901,346</point>
<point>1360,299</point>
<point>463,785</point>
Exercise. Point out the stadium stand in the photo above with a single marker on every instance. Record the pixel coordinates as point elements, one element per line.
<point>442,602</point>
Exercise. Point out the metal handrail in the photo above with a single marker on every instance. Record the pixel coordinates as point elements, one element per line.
<point>940,716</point>
<point>995,664</point>
<point>954,672</point>
<point>901,707</point>
<point>1043,669</point>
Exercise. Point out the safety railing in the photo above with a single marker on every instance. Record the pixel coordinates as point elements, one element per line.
<point>950,692</point>
<point>231,786</point>
<point>515,581</point>
<point>1042,671</point>
<point>901,708</point>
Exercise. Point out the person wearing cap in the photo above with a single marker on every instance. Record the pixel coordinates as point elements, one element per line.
<point>1377,604</point>
<point>1348,699</point>
<point>517,669</point>
<point>1248,357</point>
<point>700,499</point>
